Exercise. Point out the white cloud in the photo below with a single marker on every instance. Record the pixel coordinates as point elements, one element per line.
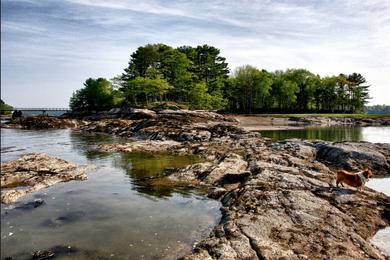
<point>326,37</point>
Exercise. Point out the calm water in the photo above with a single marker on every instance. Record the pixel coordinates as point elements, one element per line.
<point>118,213</point>
<point>334,133</point>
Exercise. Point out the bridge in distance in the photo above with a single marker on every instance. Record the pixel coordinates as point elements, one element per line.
<point>38,110</point>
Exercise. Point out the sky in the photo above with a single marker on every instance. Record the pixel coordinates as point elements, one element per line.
<point>50,47</point>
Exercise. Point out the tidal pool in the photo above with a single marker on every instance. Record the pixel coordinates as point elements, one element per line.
<point>123,211</point>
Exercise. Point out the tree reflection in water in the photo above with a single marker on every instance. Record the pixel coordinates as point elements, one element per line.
<point>145,171</point>
<point>336,133</point>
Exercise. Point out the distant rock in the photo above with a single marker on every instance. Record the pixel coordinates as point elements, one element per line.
<point>41,122</point>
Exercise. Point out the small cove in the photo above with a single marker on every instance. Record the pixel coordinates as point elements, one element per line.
<point>119,212</point>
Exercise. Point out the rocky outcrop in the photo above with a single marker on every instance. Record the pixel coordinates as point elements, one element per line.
<point>279,201</point>
<point>282,122</point>
<point>41,122</point>
<point>356,155</point>
<point>177,125</point>
<point>319,120</point>
<point>119,127</point>
<point>36,171</point>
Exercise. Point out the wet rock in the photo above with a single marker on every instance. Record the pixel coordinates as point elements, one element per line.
<point>56,251</point>
<point>69,217</point>
<point>36,171</point>
<point>31,204</point>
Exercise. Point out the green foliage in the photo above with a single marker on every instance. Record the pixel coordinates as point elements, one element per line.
<point>199,96</point>
<point>199,78</point>
<point>159,72</point>
<point>250,88</point>
<point>5,109</point>
<point>97,95</point>
<point>283,92</point>
<point>378,109</point>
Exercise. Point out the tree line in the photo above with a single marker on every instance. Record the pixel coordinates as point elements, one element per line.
<point>378,109</point>
<point>199,78</point>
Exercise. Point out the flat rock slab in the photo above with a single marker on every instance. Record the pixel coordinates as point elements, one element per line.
<point>147,146</point>
<point>36,171</point>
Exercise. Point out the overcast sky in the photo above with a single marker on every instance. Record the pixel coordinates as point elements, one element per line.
<point>50,47</point>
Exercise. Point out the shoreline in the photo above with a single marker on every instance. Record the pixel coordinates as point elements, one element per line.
<point>296,122</point>
<point>277,197</point>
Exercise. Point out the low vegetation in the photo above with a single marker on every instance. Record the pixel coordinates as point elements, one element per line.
<point>199,78</point>
<point>5,109</point>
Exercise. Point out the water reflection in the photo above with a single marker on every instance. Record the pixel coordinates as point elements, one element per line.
<point>336,133</point>
<point>110,215</point>
<point>85,141</point>
<point>145,171</point>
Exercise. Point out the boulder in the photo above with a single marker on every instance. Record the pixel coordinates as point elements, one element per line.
<point>356,155</point>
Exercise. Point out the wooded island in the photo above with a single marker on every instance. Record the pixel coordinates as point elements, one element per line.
<point>199,78</point>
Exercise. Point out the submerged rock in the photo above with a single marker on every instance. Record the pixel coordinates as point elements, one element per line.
<point>36,171</point>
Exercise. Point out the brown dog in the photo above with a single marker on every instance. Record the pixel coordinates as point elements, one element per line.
<point>353,179</point>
